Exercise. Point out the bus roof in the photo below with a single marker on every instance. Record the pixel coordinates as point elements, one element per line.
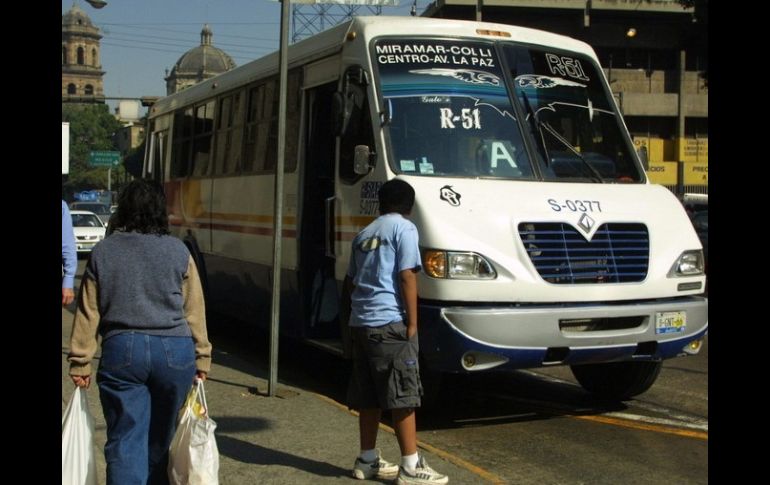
<point>331,40</point>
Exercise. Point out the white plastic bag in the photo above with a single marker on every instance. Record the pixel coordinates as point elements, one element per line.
<point>78,464</point>
<point>193,455</point>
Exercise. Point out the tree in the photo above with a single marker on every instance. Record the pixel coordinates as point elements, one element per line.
<point>91,128</point>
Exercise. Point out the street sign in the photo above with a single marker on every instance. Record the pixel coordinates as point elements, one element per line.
<point>104,159</point>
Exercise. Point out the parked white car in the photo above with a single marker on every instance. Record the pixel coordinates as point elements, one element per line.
<point>101,210</point>
<point>88,229</point>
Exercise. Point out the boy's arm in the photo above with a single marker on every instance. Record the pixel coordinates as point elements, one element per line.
<point>409,297</point>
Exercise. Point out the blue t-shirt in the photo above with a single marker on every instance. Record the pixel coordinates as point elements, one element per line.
<point>380,252</point>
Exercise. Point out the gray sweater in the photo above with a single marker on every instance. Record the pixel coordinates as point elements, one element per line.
<point>139,278</point>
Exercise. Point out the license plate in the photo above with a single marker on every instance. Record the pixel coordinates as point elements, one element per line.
<point>670,322</point>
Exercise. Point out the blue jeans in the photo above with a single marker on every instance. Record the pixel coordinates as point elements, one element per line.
<point>143,381</point>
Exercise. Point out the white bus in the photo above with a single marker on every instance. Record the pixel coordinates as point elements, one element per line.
<point>543,241</point>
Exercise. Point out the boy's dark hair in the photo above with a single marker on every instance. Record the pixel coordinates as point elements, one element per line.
<point>396,196</point>
<point>141,208</point>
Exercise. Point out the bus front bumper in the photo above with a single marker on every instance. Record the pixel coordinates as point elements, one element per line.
<point>473,338</point>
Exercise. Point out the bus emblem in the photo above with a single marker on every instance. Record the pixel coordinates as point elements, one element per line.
<point>450,195</point>
<point>586,223</point>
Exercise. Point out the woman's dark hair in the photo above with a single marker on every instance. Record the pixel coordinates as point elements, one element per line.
<point>141,208</point>
<point>396,196</point>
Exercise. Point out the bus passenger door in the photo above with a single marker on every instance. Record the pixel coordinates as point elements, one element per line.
<point>317,226</point>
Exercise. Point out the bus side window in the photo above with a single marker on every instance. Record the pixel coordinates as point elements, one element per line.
<point>180,159</point>
<point>359,128</point>
<point>204,128</point>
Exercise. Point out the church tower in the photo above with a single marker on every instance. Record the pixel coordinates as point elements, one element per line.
<point>81,69</point>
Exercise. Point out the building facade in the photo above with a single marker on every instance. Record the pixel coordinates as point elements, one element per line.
<point>655,56</point>
<point>82,75</point>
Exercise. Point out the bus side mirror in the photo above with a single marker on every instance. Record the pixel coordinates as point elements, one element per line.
<point>364,160</point>
<point>342,108</point>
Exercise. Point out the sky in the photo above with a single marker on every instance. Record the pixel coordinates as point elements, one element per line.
<point>143,38</point>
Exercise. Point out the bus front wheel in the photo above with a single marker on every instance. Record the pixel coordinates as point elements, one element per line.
<point>617,380</point>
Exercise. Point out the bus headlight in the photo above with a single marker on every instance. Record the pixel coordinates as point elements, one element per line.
<point>457,265</point>
<point>434,263</point>
<point>690,263</point>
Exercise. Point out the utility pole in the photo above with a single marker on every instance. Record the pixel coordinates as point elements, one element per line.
<point>272,381</point>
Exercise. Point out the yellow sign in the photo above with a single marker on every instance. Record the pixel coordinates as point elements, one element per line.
<point>642,147</point>
<point>655,148</point>
<point>663,173</point>
<point>694,150</point>
<point>696,173</point>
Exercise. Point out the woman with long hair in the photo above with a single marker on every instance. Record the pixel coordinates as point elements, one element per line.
<point>142,295</point>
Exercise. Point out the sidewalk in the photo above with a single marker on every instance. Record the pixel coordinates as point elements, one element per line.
<point>297,437</point>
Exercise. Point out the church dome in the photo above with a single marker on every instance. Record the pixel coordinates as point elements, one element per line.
<point>204,59</point>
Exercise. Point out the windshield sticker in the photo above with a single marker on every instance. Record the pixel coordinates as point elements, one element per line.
<point>441,71</point>
<point>589,107</point>
<point>566,66</point>
<point>465,75</point>
<point>467,118</point>
<point>436,99</point>
<point>533,81</point>
<point>425,53</point>
<point>425,166</point>
<point>446,193</point>
<point>407,165</point>
<point>499,152</point>
<point>538,82</point>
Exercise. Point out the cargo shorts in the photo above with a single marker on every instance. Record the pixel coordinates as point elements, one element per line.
<point>386,373</point>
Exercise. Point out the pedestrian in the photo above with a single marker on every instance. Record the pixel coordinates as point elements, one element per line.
<point>142,295</point>
<point>380,292</point>
<point>69,256</point>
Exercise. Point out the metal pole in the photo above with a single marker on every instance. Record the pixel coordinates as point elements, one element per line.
<point>680,129</point>
<point>109,179</point>
<point>479,4</point>
<point>278,203</point>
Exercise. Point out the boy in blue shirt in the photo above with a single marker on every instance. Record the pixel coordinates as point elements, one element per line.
<point>381,289</point>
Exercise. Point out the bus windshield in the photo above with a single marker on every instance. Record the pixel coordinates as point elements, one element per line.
<point>450,112</point>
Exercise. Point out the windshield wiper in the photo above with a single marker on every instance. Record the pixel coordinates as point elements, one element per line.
<point>595,173</point>
<point>536,127</point>
<point>539,126</point>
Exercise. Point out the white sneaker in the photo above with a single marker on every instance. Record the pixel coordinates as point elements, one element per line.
<point>378,468</point>
<point>422,475</point>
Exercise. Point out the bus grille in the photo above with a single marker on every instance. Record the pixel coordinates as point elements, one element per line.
<point>618,253</point>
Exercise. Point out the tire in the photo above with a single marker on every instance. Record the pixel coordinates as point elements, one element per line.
<point>617,380</point>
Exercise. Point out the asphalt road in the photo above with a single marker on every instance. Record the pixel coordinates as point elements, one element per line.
<point>536,426</point>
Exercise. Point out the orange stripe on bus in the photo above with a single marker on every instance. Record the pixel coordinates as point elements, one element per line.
<point>362,221</point>
<point>262,231</point>
<point>246,217</point>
